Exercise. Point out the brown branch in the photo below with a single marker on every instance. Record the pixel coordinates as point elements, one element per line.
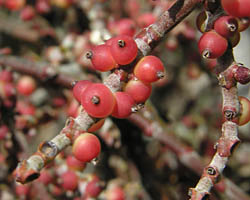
<point>186,155</point>
<point>226,71</point>
<point>42,71</point>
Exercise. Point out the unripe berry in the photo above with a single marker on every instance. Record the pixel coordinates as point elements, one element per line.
<point>149,69</point>
<point>69,180</point>
<point>212,45</point>
<point>123,49</point>
<point>102,58</point>
<point>139,90</point>
<point>244,111</point>
<point>124,104</point>
<point>236,8</point>
<point>98,100</point>
<point>79,87</point>
<point>86,147</point>
<point>26,85</point>
<point>226,26</point>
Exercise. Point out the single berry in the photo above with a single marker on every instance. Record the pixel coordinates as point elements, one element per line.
<point>101,58</point>
<point>236,8</point>
<point>123,106</point>
<point>98,100</point>
<point>139,90</point>
<point>86,147</point>
<point>212,45</point>
<point>124,26</point>
<point>226,26</point>
<point>27,13</point>
<point>146,19</point>
<point>116,193</point>
<point>123,49</point>
<point>93,187</point>
<point>45,177</point>
<point>79,87</point>
<point>14,4</point>
<point>75,164</point>
<point>149,69</point>
<point>6,76</point>
<point>69,180</point>
<point>26,85</point>
<point>244,110</point>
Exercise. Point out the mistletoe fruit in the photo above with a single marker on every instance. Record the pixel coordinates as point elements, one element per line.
<point>86,147</point>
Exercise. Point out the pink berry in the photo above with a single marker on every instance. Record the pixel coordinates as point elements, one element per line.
<point>124,104</point>
<point>98,100</point>
<point>149,69</point>
<point>69,180</point>
<point>79,87</point>
<point>123,49</point>
<point>86,147</point>
<point>139,90</point>
<point>226,26</point>
<point>236,8</point>
<point>26,85</point>
<point>102,58</point>
<point>212,45</point>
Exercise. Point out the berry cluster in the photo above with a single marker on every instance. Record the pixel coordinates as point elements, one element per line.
<point>225,30</point>
<point>100,102</point>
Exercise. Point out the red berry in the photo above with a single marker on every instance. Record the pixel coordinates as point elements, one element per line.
<point>6,76</point>
<point>26,85</point>
<point>25,108</point>
<point>45,177</point>
<point>74,163</point>
<point>102,58</point>
<point>14,4</point>
<point>212,45</point>
<point>79,87</point>
<point>42,6</point>
<point>226,26</point>
<point>93,187</point>
<point>124,26</point>
<point>146,19</point>
<point>86,147</point>
<point>27,13</point>
<point>139,90</point>
<point>73,108</point>
<point>69,180</point>
<point>123,49</point>
<point>124,104</point>
<point>244,111</point>
<point>3,131</point>
<point>22,190</point>
<point>149,69</point>
<point>236,8</point>
<point>98,100</point>
<point>116,193</point>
